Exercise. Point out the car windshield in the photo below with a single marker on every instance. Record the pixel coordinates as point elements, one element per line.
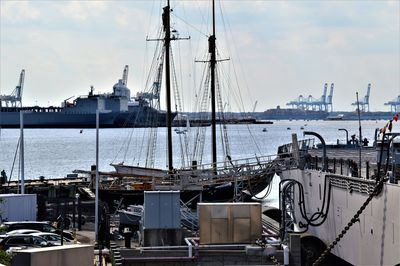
<point>52,237</point>
<point>49,228</point>
<point>38,240</point>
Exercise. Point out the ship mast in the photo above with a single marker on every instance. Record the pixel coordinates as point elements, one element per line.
<point>213,62</point>
<point>167,42</point>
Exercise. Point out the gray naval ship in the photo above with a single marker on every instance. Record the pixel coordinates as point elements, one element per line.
<point>116,109</point>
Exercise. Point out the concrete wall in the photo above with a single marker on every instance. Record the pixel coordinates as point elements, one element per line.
<point>216,257</point>
<point>70,255</point>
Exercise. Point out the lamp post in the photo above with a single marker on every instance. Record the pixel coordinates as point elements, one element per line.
<point>78,198</point>
<point>74,203</point>
<point>21,152</point>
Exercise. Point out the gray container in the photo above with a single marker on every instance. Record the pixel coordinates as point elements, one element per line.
<point>18,207</point>
<point>161,210</point>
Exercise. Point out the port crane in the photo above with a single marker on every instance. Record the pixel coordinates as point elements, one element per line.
<point>14,99</point>
<point>329,99</point>
<point>394,104</point>
<point>364,104</point>
<point>311,103</point>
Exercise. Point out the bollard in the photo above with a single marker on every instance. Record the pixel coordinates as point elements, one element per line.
<point>74,235</point>
<point>127,236</point>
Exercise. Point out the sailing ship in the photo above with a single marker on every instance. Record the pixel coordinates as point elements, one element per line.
<point>227,180</point>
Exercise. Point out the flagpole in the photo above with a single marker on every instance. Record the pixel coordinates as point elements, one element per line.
<point>21,152</point>
<point>359,136</point>
<point>96,208</point>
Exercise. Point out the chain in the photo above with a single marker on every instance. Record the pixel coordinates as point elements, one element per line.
<point>349,224</point>
<point>274,260</point>
<point>262,244</point>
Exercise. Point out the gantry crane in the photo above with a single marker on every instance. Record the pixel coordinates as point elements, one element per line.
<point>311,103</point>
<point>364,103</point>
<point>15,98</point>
<point>394,104</point>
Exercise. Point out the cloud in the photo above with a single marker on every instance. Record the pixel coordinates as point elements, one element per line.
<point>82,10</point>
<point>293,47</point>
<point>18,11</point>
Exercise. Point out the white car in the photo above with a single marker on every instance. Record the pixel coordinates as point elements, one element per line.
<point>53,238</point>
<point>22,232</point>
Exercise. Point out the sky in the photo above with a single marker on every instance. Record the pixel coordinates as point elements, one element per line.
<point>277,50</point>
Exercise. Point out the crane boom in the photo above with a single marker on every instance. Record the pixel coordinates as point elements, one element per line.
<point>20,87</point>
<point>254,107</point>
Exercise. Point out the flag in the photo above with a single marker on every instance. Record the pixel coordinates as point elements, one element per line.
<point>396,117</point>
<point>389,126</point>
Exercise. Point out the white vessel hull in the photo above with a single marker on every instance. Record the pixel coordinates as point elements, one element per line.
<point>139,171</point>
<point>375,238</point>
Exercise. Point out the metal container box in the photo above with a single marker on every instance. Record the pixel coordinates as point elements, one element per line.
<point>224,223</point>
<point>161,210</point>
<point>18,207</point>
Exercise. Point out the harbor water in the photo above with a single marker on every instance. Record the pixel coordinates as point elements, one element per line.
<point>54,153</point>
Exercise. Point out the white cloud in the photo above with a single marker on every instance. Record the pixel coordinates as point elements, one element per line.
<point>18,11</point>
<point>82,10</point>
<point>129,18</point>
<point>288,46</point>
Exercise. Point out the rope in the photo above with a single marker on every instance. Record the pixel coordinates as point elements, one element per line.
<point>274,260</point>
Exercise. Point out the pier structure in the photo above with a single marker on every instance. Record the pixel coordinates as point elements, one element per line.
<point>394,104</point>
<point>364,103</point>
<point>324,103</point>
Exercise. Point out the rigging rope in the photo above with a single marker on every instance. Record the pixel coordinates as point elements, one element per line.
<point>13,164</point>
<point>198,146</point>
<point>223,129</point>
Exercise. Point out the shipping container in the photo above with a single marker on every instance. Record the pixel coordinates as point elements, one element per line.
<point>18,207</point>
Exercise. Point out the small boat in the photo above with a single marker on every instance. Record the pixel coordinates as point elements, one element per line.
<point>336,117</point>
<point>180,131</point>
<point>264,129</point>
<point>131,216</point>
